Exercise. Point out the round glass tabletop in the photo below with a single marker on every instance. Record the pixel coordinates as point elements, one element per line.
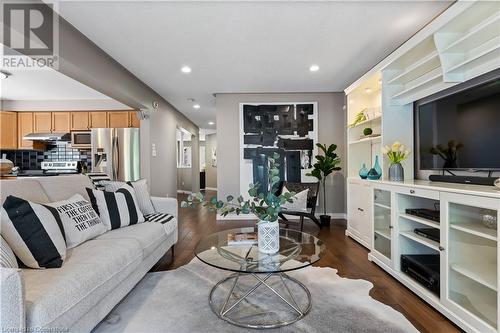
<point>236,250</point>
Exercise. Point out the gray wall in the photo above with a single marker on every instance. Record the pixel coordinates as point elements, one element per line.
<point>210,171</point>
<point>331,129</point>
<point>83,61</point>
<point>184,177</point>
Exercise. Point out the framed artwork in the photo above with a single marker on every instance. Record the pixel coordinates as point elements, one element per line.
<point>289,129</point>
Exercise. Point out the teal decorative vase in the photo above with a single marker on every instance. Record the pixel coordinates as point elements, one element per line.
<point>375,172</point>
<point>363,172</point>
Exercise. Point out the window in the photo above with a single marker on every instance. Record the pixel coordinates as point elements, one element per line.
<point>184,153</point>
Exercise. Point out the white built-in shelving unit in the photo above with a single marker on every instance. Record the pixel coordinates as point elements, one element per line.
<point>459,45</point>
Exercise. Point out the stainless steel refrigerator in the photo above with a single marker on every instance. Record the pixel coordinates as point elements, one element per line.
<point>115,151</point>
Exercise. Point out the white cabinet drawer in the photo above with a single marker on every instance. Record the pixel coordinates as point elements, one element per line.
<point>418,192</point>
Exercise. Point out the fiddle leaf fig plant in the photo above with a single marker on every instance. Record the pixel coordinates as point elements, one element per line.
<point>265,205</point>
<point>324,166</point>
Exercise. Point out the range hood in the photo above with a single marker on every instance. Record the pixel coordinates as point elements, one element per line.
<point>47,137</point>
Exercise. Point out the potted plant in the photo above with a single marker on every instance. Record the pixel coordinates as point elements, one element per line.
<point>265,206</point>
<point>324,166</point>
<point>396,153</point>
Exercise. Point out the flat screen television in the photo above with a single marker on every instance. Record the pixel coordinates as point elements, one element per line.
<point>461,131</point>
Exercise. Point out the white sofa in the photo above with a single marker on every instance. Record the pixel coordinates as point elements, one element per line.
<point>95,276</point>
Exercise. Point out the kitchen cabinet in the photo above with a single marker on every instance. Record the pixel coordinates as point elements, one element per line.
<point>8,130</point>
<point>118,119</point>
<point>133,120</point>
<point>79,121</point>
<point>98,119</point>
<point>42,122</point>
<point>24,127</point>
<point>61,122</point>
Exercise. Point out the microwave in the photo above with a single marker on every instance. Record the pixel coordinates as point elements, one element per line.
<point>80,139</point>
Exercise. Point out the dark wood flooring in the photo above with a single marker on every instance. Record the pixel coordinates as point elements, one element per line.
<point>343,254</point>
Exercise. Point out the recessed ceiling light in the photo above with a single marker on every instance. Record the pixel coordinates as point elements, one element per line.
<point>3,75</point>
<point>196,106</point>
<point>314,68</point>
<point>186,69</point>
<point>211,123</point>
<point>368,90</point>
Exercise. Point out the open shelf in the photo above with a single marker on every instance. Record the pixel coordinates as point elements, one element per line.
<point>427,78</point>
<point>476,229</point>
<point>476,55</point>
<point>369,139</point>
<point>485,275</point>
<point>420,220</point>
<point>386,233</point>
<point>420,239</point>
<point>381,205</point>
<point>416,70</point>
<point>377,118</point>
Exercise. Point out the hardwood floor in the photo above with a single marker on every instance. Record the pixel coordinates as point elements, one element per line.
<point>343,254</point>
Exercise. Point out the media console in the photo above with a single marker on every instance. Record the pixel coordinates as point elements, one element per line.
<point>461,280</point>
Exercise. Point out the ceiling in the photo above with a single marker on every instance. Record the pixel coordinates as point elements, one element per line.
<point>247,47</point>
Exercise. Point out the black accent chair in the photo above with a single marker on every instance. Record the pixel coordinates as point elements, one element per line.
<point>312,198</point>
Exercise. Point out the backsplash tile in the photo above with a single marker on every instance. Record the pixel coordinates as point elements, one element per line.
<point>32,159</point>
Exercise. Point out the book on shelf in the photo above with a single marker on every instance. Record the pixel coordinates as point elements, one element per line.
<point>242,238</point>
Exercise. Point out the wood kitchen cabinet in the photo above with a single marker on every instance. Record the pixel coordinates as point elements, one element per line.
<point>133,120</point>
<point>42,122</point>
<point>79,121</point>
<point>25,125</point>
<point>61,122</point>
<point>118,119</point>
<point>8,130</point>
<point>98,119</point>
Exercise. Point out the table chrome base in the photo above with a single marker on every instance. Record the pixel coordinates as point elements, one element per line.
<point>225,310</point>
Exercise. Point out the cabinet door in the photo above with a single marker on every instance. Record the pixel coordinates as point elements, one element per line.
<point>42,122</point>
<point>133,120</point>
<point>98,120</point>
<point>118,119</point>
<point>8,130</point>
<point>382,224</point>
<point>79,121</point>
<point>359,221</point>
<point>24,127</point>
<point>61,122</point>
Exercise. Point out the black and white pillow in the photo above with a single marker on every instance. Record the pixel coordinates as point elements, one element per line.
<point>7,257</point>
<point>97,178</point>
<point>116,209</point>
<point>141,193</point>
<point>34,232</point>
<point>79,219</point>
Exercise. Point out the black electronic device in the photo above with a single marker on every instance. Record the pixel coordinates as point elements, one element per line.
<point>463,179</point>
<point>425,213</point>
<point>431,233</point>
<point>424,268</point>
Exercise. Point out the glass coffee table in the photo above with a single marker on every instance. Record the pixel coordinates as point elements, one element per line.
<point>259,294</point>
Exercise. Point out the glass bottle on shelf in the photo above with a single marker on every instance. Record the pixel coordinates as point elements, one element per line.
<point>363,172</point>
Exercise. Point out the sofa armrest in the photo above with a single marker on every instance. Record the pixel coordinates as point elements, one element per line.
<point>12,315</point>
<point>165,205</point>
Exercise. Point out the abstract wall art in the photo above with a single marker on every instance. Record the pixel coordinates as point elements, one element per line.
<point>289,129</point>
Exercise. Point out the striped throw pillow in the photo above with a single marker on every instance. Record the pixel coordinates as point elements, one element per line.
<point>97,178</point>
<point>34,232</point>
<point>141,193</point>
<point>7,257</point>
<point>116,209</point>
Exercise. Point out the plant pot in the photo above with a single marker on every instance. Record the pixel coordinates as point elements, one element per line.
<point>396,172</point>
<point>268,237</point>
<point>324,220</point>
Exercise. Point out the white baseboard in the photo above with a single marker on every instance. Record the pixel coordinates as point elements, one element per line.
<point>211,188</point>
<point>184,191</point>
<point>252,217</point>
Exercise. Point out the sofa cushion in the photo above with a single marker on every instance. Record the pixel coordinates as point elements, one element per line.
<point>59,297</point>
<point>64,187</point>
<point>29,189</point>
<point>148,235</point>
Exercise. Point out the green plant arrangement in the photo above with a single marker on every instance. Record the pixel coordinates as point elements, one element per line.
<point>265,207</point>
<point>358,118</point>
<point>367,131</point>
<point>448,153</point>
<point>325,165</point>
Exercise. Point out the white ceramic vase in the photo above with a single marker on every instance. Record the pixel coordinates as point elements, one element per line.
<point>497,183</point>
<point>268,237</point>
